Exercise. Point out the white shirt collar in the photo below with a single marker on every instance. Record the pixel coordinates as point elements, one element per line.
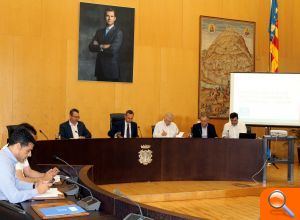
<point>108,28</point>
<point>71,124</point>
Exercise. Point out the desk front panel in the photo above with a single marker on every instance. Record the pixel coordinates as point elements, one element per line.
<point>117,160</point>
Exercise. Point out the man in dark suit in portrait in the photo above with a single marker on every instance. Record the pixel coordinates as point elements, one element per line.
<point>204,129</point>
<point>107,43</point>
<point>73,128</point>
<point>124,128</point>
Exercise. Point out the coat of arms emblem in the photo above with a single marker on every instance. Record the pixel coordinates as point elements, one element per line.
<point>145,155</point>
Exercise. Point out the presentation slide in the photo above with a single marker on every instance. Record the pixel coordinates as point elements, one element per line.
<point>266,98</point>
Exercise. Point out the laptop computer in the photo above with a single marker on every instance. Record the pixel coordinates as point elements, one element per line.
<point>247,135</point>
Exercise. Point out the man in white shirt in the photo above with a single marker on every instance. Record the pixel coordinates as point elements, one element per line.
<point>26,174</point>
<point>166,128</point>
<point>234,127</point>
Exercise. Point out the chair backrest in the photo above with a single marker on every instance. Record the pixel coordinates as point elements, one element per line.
<point>115,117</point>
<point>152,129</point>
<point>12,212</point>
<point>10,129</point>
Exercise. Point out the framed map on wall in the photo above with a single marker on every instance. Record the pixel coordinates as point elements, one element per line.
<point>226,46</point>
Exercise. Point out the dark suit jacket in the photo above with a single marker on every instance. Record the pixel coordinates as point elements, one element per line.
<point>65,130</point>
<point>107,62</point>
<point>197,131</point>
<point>119,126</point>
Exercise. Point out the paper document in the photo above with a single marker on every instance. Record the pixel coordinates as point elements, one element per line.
<point>56,179</point>
<point>51,193</point>
<point>180,135</point>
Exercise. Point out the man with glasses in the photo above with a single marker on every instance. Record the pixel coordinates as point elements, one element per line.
<point>73,128</point>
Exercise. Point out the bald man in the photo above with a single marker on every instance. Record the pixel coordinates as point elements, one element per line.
<point>166,128</point>
<point>204,129</point>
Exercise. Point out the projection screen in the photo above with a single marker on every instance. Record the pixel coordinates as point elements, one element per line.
<point>266,98</point>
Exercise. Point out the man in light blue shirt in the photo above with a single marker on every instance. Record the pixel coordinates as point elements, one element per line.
<point>12,189</point>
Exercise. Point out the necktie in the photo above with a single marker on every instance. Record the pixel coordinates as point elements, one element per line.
<point>127,131</point>
<point>106,31</point>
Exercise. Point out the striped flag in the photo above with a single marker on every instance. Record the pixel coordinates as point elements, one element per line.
<point>274,40</point>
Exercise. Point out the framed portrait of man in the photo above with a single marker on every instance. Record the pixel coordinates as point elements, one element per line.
<point>106,43</point>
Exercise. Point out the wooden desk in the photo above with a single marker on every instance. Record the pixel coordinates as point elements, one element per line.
<point>94,215</point>
<point>117,160</point>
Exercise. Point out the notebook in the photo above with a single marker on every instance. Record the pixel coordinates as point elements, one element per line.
<point>62,210</point>
<point>180,135</point>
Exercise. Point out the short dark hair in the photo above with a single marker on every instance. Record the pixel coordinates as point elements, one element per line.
<point>21,135</point>
<point>110,9</point>
<point>29,127</point>
<point>234,115</point>
<point>74,110</point>
<point>129,112</point>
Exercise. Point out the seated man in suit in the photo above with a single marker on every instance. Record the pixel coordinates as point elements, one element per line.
<point>204,129</point>
<point>73,128</point>
<point>124,128</point>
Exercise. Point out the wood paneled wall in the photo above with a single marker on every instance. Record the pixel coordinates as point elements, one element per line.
<point>38,60</point>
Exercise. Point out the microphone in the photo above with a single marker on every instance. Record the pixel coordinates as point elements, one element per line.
<point>44,134</point>
<point>132,216</point>
<point>140,131</point>
<point>75,178</point>
<point>73,189</point>
<point>89,203</point>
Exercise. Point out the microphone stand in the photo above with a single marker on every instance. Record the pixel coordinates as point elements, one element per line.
<point>44,134</point>
<point>132,216</point>
<point>75,178</point>
<point>89,203</point>
<point>72,189</point>
<point>140,131</point>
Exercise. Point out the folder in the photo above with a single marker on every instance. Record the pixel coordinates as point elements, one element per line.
<point>58,210</point>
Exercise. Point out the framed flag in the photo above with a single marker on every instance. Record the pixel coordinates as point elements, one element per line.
<point>226,46</point>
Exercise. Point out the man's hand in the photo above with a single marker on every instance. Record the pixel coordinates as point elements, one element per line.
<point>118,135</point>
<point>50,174</point>
<point>55,171</point>
<point>105,46</point>
<point>42,186</point>
<point>95,42</point>
<point>164,133</point>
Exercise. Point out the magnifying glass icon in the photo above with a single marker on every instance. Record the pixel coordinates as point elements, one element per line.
<point>277,200</point>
